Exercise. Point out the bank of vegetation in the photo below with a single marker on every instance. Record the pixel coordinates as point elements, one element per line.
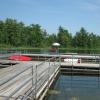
<point>14,34</point>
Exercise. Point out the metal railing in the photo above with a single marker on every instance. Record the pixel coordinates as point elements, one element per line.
<point>84,58</point>
<point>89,64</point>
<point>33,77</point>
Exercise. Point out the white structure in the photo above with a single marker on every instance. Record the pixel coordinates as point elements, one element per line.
<point>56,44</point>
<point>55,47</point>
<point>74,61</point>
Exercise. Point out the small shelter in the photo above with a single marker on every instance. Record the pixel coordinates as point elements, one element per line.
<point>55,47</point>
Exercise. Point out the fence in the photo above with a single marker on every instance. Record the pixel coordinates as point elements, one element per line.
<point>84,58</point>
<point>32,80</point>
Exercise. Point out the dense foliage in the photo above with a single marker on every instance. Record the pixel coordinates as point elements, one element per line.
<point>16,34</point>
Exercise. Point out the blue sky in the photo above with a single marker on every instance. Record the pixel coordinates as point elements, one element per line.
<point>50,14</point>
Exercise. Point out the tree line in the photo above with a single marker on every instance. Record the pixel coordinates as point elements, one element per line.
<point>17,34</point>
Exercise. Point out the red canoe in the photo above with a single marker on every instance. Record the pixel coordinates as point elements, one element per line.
<point>20,58</point>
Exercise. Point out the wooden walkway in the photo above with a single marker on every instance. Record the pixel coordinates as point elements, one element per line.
<point>24,78</point>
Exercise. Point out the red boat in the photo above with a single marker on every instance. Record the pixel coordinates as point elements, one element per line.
<point>20,58</point>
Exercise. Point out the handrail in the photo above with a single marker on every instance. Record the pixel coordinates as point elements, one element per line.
<point>37,78</point>
<point>45,61</point>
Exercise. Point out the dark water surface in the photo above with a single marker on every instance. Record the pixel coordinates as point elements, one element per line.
<point>75,88</point>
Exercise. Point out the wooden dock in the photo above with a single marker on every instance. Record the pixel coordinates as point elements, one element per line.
<point>80,69</point>
<point>24,80</point>
<point>27,79</point>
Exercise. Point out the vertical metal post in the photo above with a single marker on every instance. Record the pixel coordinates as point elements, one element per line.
<point>32,85</point>
<point>72,60</point>
<point>99,73</point>
<point>32,77</point>
<point>45,58</point>
<point>72,64</point>
<point>38,58</point>
<point>54,63</point>
<point>35,82</point>
<point>59,64</point>
<point>95,59</point>
<point>48,74</point>
<point>72,72</point>
<point>59,59</point>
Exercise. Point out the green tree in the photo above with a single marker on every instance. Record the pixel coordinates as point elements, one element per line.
<point>45,39</point>
<point>11,32</point>
<point>16,34</point>
<point>51,39</point>
<point>64,37</point>
<point>2,34</point>
<point>36,35</point>
<point>81,38</point>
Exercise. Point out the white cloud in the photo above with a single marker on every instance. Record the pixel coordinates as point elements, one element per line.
<point>90,6</point>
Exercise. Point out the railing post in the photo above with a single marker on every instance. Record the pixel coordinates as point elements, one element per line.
<point>72,60</point>
<point>95,59</point>
<point>48,74</point>
<point>54,62</point>
<point>60,60</point>
<point>35,82</point>
<point>45,58</point>
<point>59,64</point>
<point>72,69</point>
<point>32,85</point>
<point>99,72</point>
<point>38,58</point>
